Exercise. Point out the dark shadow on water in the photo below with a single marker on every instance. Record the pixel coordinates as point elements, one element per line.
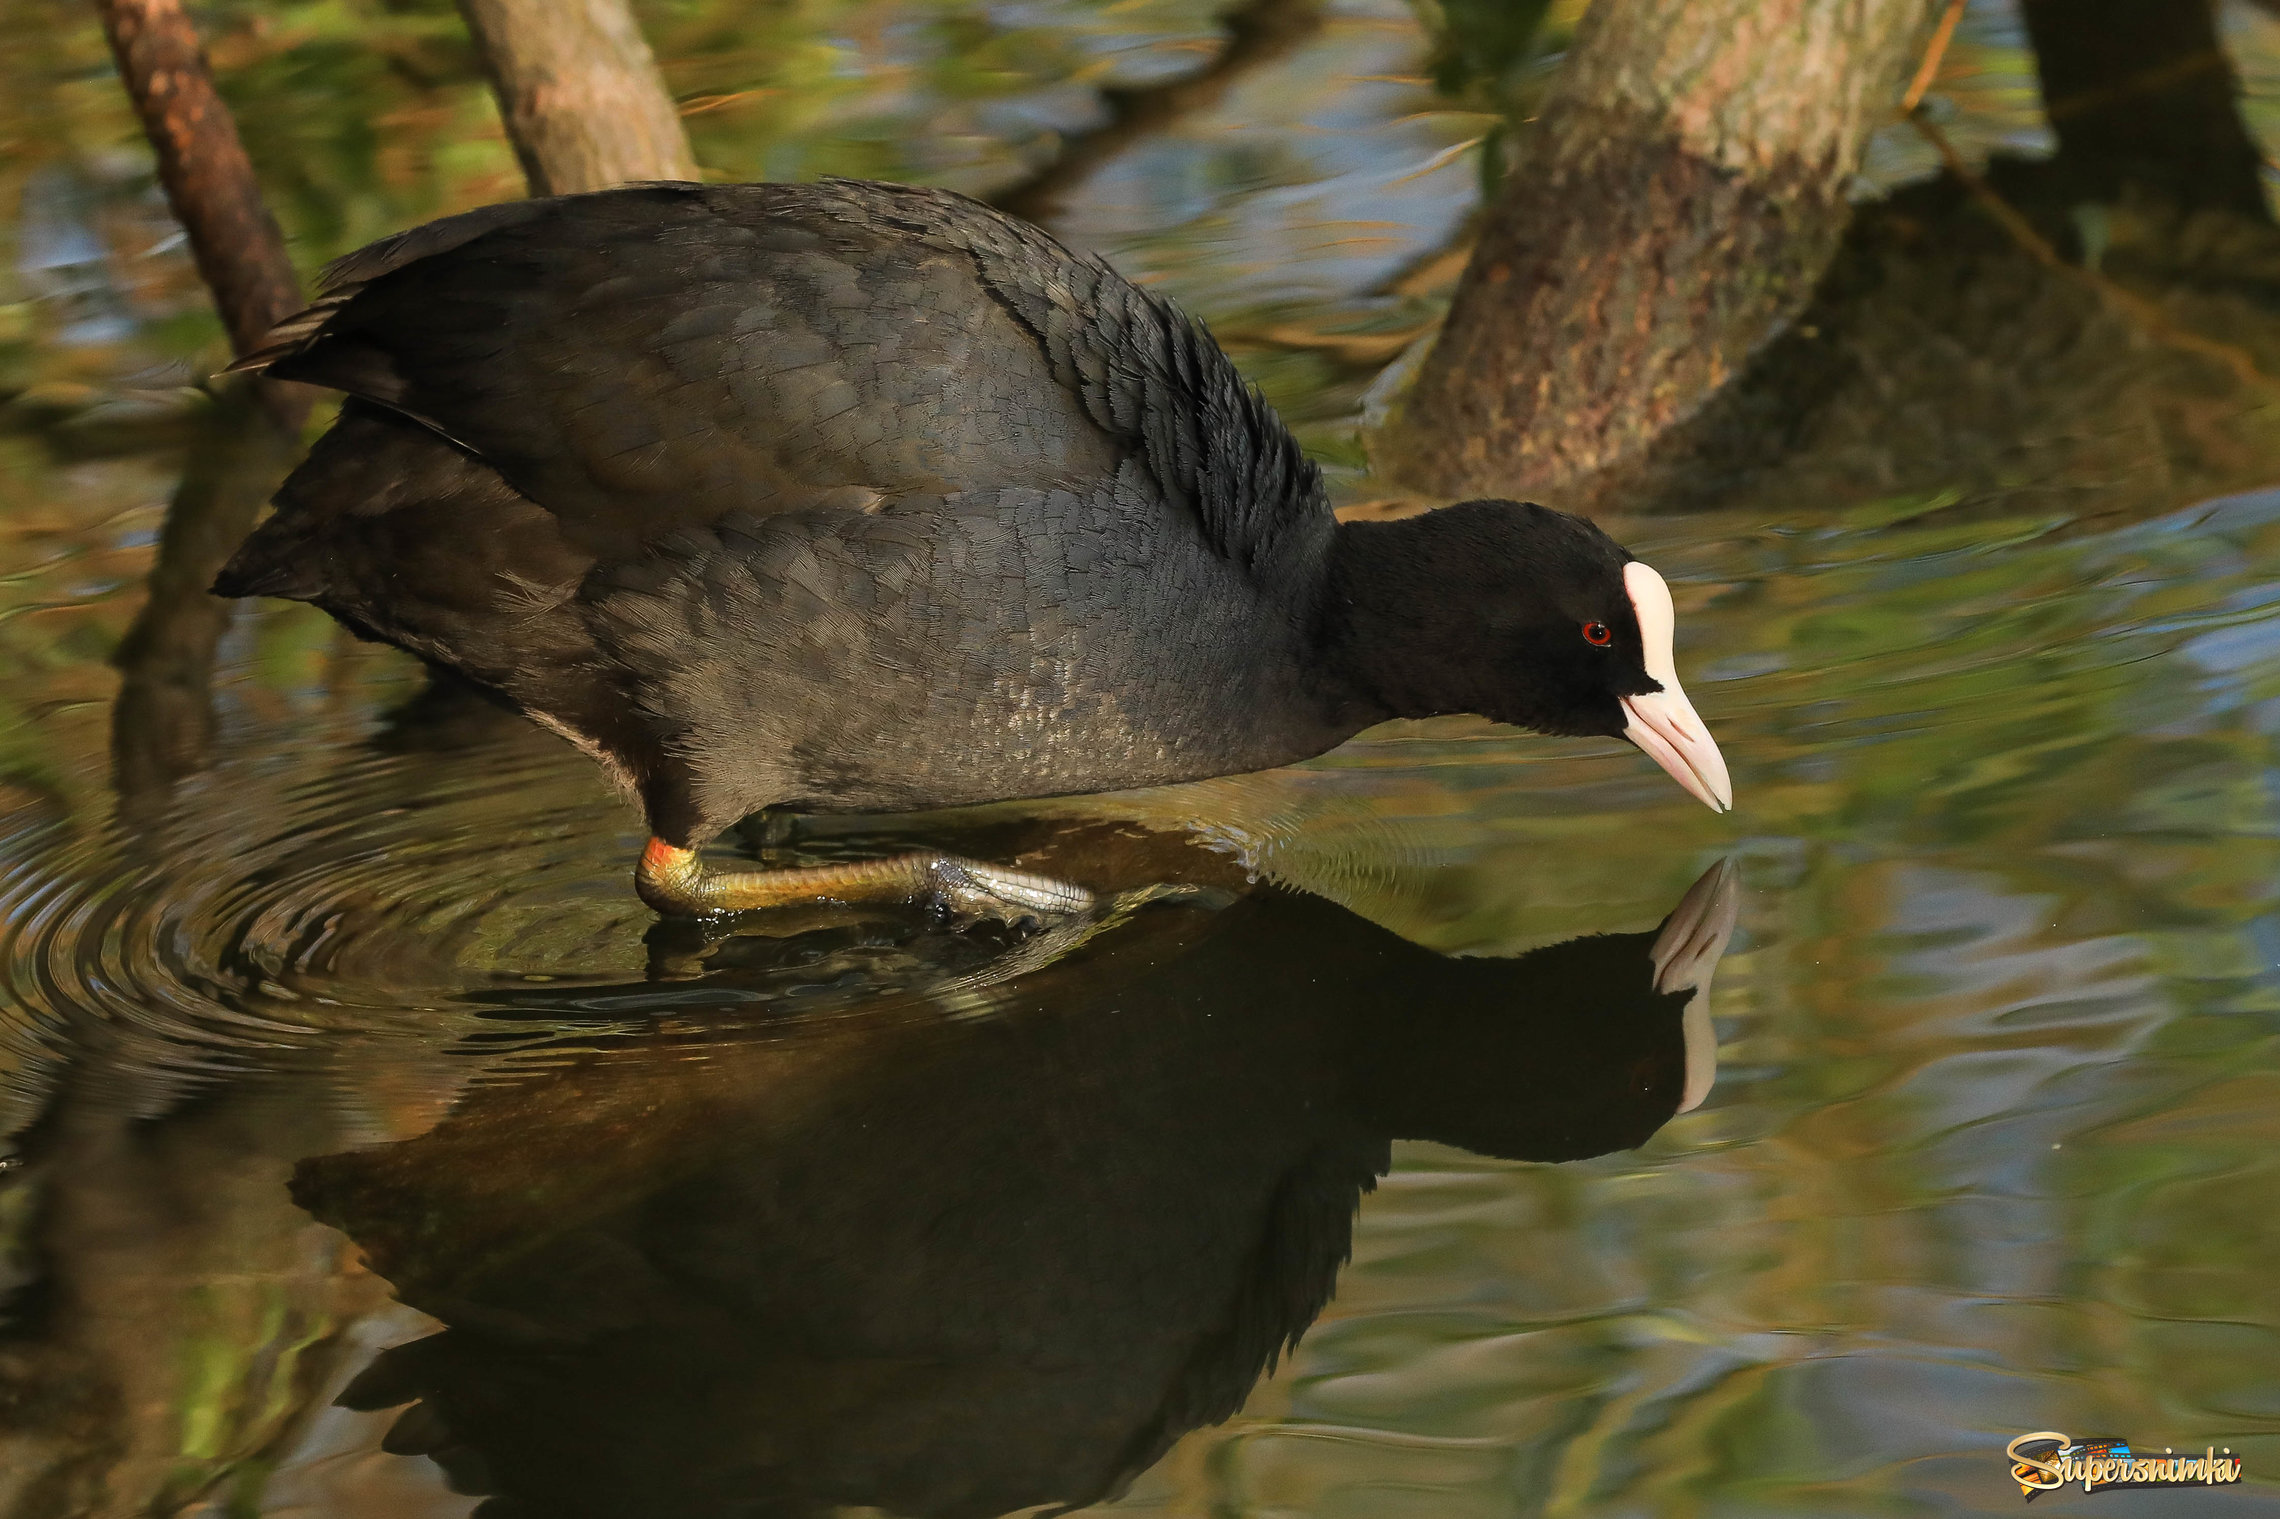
<point>961,1256</point>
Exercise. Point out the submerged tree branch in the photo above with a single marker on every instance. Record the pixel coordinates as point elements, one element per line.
<point>1258,32</point>
<point>1934,53</point>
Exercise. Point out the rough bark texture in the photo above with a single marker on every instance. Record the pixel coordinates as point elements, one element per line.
<point>162,725</point>
<point>209,181</point>
<point>2140,93</point>
<point>580,94</point>
<point>1675,202</point>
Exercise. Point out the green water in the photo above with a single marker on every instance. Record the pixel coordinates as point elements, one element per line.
<point>360,1032</point>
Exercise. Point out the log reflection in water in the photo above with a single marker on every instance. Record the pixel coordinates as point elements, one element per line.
<point>162,723</point>
<point>961,1266</point>
<point>1259,32</point>
<point>1942,357</point>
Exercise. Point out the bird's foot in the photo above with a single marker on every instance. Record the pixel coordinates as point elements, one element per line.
<point>676,883</point>
<point>967,891</point>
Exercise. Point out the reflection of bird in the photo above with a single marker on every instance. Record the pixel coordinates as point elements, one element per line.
<point>958,1267</point>
<point>854,497</point>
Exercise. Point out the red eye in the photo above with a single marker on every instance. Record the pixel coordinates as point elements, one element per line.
<point>1597,633</point>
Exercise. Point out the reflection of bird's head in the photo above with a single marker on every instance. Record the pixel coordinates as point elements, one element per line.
<point>962,1266</point>
<point>1582,1056</point>
<point>1572,1051</point>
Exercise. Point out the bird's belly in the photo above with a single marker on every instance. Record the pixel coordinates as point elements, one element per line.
<point>1056,735</point>
<point>1029,644</point>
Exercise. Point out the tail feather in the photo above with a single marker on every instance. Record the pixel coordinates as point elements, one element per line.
<point>291,335</point>
<point>273,562</point>
<point>344,277</point>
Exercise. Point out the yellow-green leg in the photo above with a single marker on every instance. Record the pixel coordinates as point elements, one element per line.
<point>677,884</point>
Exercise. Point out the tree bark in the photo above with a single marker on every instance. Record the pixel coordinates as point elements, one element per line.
<point>162,723</point>
<point>579,92</point>
<point>2140,92</point>
<point>1674,205</point>
<point>209,180</point>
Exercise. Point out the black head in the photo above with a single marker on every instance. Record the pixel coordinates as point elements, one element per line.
<point>1523,615</point>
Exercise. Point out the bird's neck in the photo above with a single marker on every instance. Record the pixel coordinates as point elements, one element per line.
<point>1395,638</point>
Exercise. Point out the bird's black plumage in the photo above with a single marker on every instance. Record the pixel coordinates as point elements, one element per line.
<point>864,497</point>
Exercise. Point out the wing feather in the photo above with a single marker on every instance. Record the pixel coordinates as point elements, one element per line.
<point>797,340</point>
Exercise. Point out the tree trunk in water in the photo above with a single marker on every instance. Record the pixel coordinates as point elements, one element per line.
<point>1675,203</point>
<point>162,723</point>
<point>579,92</point>
<point>2141,92</point>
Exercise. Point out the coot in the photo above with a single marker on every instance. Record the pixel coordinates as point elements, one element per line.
<point>853,497</point>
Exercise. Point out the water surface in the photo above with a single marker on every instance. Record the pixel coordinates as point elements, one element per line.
<point>349,1077</point>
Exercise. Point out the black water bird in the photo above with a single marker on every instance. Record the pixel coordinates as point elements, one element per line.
<point>960,1267</point>
<point>854,497</point>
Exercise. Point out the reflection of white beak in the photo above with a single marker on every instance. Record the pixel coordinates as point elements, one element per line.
<point>1664,723</point>
<point>1685,953</point>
